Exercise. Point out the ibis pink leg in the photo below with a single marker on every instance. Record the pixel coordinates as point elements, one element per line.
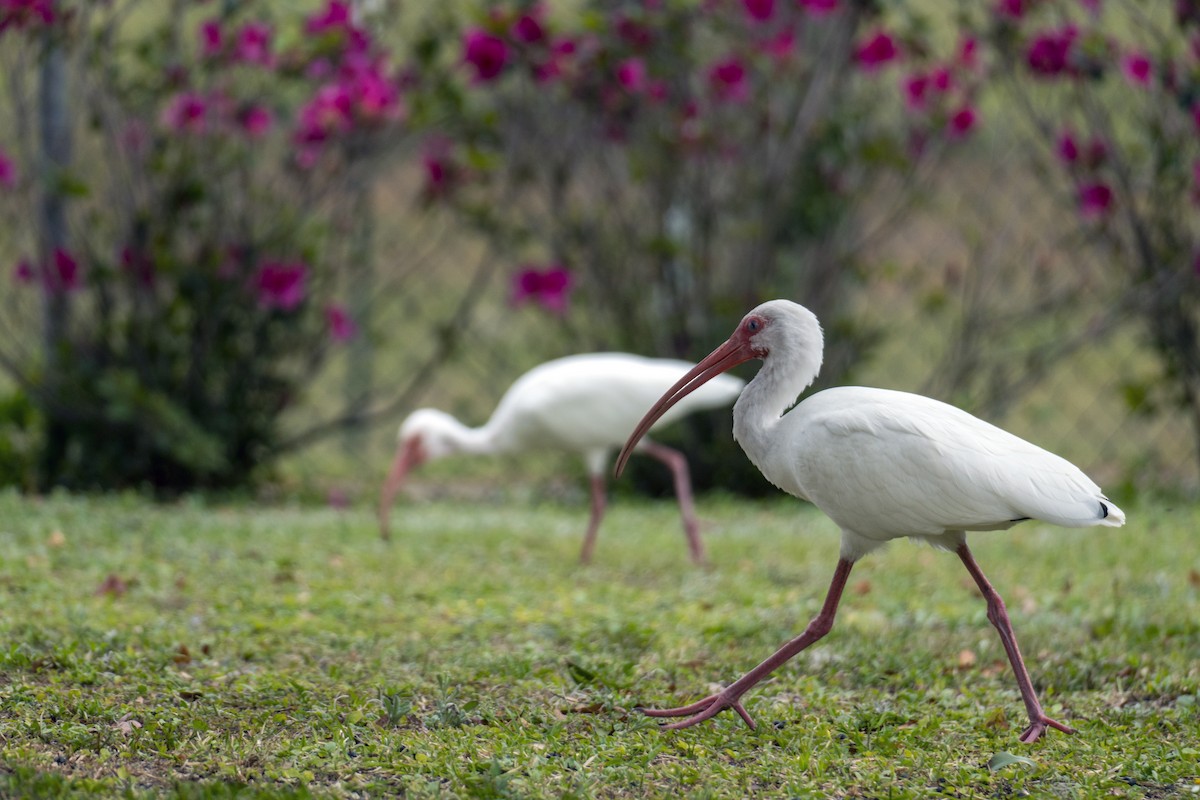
<point>998,615</point>
<point>678,465</point>
<point>598,502</point>
<point>730,696</point>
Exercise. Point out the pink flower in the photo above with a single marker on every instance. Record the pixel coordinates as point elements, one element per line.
<point>759,10</point>
<point>280,285</point>
<point>441,171</point>
<point>942,80</point>
<point>1048,53</point>
<point>781,46</point>
<point>1011,9</point>
<point>341,326</point>
<point>561,52</point>
<point>8,171</point>
<point>1137,69</point>
<point>64,274</point>
<point>528,28</point>
<point>549,288</point>
<point>1067,148</point>
<point>329,112</point>
<point>915,89</point>
<point>819,8</point>
<point>968,52</point>
<point>18,14</point>
<point>256,121</point>
<point>254,44</point>
<point>1095,200</point>
<point>728,80</point>
<point>486,52</point>
<point>186,112</point>
<point>211,39</point>
<point>962,122</point>
<point>335,16</point>
<point>634,33</point>
<point>23,272</point>
<point>631,74</point>
<point>876,51</point>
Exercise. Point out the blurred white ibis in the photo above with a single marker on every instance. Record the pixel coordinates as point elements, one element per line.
<point>882,465</point>
<point>581,404</point>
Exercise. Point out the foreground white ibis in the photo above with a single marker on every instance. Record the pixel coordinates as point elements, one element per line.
<point>581,404</point>
<point>883,465</point>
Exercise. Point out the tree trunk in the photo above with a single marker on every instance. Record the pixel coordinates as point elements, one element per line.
<point>55,131</point>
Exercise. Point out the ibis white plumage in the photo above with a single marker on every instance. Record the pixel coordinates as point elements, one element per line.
<point>883,465</point>
<point>581,404</point>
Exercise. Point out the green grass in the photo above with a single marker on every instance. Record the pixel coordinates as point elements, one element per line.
<point>286,652</point>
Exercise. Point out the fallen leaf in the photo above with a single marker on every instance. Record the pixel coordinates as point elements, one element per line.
<point>862,587</point>
<point>57,539</point>
<point>113,586</point>
<point>182,655</point>
<point>1004,759</point>
<point>1194,578</point>
<point>966,659</point>
<point>127,725</point>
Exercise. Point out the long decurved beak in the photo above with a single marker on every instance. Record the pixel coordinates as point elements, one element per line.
<point>410,454</point>
<point>736,350</point>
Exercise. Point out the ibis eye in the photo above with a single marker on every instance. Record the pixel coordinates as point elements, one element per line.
<point>753,326</point>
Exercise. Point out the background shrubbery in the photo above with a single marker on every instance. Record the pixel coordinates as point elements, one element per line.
<point>235,229</point>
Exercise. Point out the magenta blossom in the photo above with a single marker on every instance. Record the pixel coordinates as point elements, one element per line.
<point>1011,9</point>
<point>529,28</point>
<point>631,74</point>
<point>1049,53</point>
<point>728,80</point>
<point>256,121</point>
<point>280,285</point>
<point>968,52</point>
<point>550,288</point>
<point>254,44</point>
<point>634,33</point>
<point>962,122</point>
<point>18,14</point>
<point>1095,200</point>
<point>211,38</point>
<point>335,16</point>
<point>329,112</point>
<point>759,10</point>
<point>916,88</point>
<point>819,7</point>
<point>485,52</point>
<point>8,171</point>
<point>186,112</point>
<point>781,46</point>
<point>876,51</point>
<point>64,272</point>
<point>23,272</point>
<point>1137,69</point>
<point>1067,148</point>
<point>341,326</point>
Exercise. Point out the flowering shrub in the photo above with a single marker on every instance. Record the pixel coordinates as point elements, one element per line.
<point>203,282</point>
<point>684,161</point>
<point>1118,109</point>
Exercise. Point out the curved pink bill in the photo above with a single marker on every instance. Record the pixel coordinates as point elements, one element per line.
<point>408,456</point>
<point>736,350</point>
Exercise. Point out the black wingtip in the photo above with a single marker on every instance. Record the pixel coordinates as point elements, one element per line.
<point>1103,511</point>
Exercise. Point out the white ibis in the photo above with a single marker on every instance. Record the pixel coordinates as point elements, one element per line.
<point>581,404</point>
<point>883,465</point>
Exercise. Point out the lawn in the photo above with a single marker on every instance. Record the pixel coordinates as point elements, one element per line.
<point>209,650</point>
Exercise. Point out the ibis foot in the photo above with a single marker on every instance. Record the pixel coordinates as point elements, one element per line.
<point>1038,727</point>
<point>701,710</point>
